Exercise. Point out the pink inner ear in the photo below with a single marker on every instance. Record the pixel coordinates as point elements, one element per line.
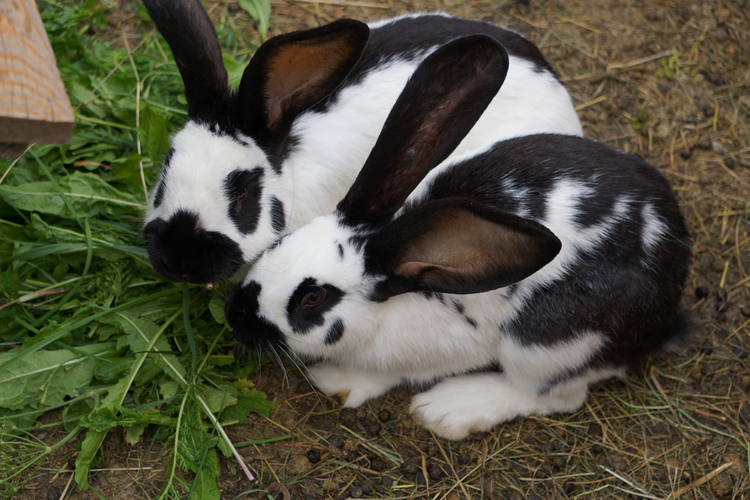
<point>461,246</point>
<point>297,73</point>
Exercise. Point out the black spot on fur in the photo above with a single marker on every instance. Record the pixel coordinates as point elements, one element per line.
<point>167,159</point>
<point>250,330</point>
<point>341,251</point>
<point>244,188</point>
<point>303,319</point>
<point>335,332</point>
<point>471,321</point>
<point>159,197</point>
<point>278,220</point>
<point>180,250</point>
<point>459,306</point>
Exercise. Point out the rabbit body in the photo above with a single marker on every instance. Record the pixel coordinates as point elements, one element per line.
<point>254,163</point>
<point>514,276</point>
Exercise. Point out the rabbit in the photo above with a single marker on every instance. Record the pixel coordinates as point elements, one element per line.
<point>509,279</point>
<point>287,144</point>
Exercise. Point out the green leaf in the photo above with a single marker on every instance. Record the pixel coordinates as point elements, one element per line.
<point>218,399</point>
<point>260,10</point>
<point>87,193</point>
<point>89,446</point>
<point>104,420</point>
<point>216,307</point>
<point>153,133</point>
<point>256,402</point>
<point>46,378</point>
<point>205,486</point>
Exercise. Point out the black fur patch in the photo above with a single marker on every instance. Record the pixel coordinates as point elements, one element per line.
<point>159,197</point>
<point>341,251</point>
<point>278,220</point>
<point>408,38</point>
<point>459,306</point>
<point>303,319</point>
<point>182,251</point>
<point>244,188</point>
<point>250,330</point>
<point>471,321</point>
<point>335,332</point>
<point>167,159</point>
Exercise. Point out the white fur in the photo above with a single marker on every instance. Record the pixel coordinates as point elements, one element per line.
<point>333,146</point>
<point>654,228</point>
<point>415,339</point>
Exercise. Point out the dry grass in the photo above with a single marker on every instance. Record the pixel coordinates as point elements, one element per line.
<point>669,81</point>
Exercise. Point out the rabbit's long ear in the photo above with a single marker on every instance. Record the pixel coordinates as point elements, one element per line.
<point>186,27</point>
<point>292,72</point>
<point>440,104</point>
<point>457,245</point>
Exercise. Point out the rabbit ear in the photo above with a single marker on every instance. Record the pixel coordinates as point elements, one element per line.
<point>440,104</point>
<point>186,27</point>
<point>292,72</point>
<point>457,245</point>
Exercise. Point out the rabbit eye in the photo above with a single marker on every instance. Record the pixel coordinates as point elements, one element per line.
<point>313,298</point>
<point>241,198</point>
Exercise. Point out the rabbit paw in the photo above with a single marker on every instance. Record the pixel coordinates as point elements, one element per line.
<point>352,387</point>
<point>458,406</point>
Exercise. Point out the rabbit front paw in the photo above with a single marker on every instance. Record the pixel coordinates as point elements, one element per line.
<point>458,406</point>
<point>351,386</point>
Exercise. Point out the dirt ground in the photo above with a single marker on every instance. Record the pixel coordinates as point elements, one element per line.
<point>665,79</point>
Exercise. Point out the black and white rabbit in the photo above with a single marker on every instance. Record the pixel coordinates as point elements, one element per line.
<point>514,276</point>
<point>286,146</point>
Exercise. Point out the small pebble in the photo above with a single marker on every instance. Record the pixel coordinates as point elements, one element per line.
<point>719,148</point>
<point>559,462</point>
<point>313,456</point>
<point>386,481</point>
<point>716,78</point>
<point>366,487</point>
<point>701,292</point>
<point>729,162</point>
<point>410,465</point>
<point>721,34</point>
<point>596,449</point>
<point>686,154</point>
<point>375,428</point>
<point>464,458</point>
<point>377,465</point>
<point>436,473</point>
<point>548,447</point>
<point>384,415</point>
<point>356,492</point>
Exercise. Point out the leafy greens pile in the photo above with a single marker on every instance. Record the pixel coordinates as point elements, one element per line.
<point>87,329</point>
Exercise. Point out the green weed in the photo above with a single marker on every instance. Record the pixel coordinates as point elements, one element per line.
<point>86,326</point>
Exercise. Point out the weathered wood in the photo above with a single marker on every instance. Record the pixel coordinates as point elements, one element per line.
<point>33,104</point>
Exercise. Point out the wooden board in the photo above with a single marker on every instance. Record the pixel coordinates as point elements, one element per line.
<point>34,106</point>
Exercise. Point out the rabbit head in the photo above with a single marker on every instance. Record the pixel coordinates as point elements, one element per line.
<point>216,205</point>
